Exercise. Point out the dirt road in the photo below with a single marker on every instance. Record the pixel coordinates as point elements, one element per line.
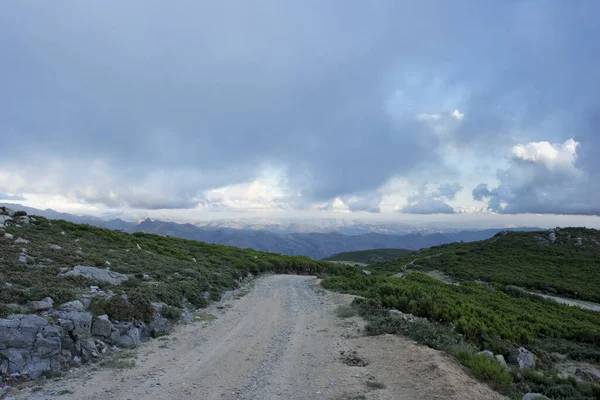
<point>280,341</point>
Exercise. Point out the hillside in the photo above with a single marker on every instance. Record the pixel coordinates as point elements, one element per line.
<point>561,261</point>
<point>166,269</point>
<point>369,256</point>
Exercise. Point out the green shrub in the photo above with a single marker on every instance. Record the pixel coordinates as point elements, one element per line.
<point>173,314</point>
<point>20,214</point>
<point>483,367</point>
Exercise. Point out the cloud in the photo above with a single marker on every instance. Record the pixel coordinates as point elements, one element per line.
<point>543,178</point>
<point>458,115</point>
<point>113,104</point>
<point>426,202</point>
<point>10,196</point>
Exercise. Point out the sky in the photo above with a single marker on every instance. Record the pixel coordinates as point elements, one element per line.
<point>386,109</point>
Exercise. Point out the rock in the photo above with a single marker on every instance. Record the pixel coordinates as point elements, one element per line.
<point>22,258</point>
<point>501,360</point>
<point>107,263</point>
<point>588,374</point>
<point>146,277</point>
<point>131,334</point>
<point>21,240</point>
<point>74,305</point>
<point>160,326</point>
<point>97,274</point>
<point>579,242</point>
<point>364,271</point>
<point>534,396</point>
<point>63,233</point>
<point>31,345</point>
<point>5,218</point>
<point>79,252</point>
<point>138,247</point>
<point>55,247</point>
<point>78,336</point>
<point>44,304</point>
<point>102,326</point>
<point>8,236</point>
<point>552,237</point>
<point>523,358</point>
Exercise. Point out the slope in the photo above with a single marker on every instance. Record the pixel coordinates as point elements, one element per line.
<point>563,261</point>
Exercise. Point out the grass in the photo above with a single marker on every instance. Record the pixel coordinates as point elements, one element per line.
<point>122,360</point>
<point>346,312</point>
<point>202,316</point>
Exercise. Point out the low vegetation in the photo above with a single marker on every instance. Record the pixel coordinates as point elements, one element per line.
<point>463,319</point>
<point>369,256</point>
<point>564,261</point>
<point>159,269</point>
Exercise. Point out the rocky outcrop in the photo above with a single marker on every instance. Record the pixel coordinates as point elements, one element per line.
<point>523,358</point>
<point>97,274</point>
<point>44,304</point>
<point>29,345</point>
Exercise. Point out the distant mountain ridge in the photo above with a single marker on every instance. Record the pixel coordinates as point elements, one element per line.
<point>284,239</point>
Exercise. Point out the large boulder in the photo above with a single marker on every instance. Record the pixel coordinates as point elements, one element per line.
<point>102,326</point>
<point>132,334</point>
<point>160,326</point>
<point>77,326</point>
<point>97,274</point>
<point>74,305</point>
<point>29,345</point>
<point>523,358</point>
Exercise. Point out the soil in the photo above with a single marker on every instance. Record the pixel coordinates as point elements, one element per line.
<point>282,340</point>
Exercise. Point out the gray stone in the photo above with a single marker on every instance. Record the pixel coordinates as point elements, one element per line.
<point>501,360</point>
<point>78,336</point>
<point>160,326</point>
<point>131,334</point>
<point>74,305</point>
<point>552,237</point>
<point>55,247</point>
<point>97,274</point>
<point>21,240</point>
<point>44,304</point>
<point>534,396</point>
<point>146,277</point>
<point>523,358</point>
<point>487,353</point>
<point>364,271</point>
<point>30,345</point>
<point>5,218</point>
<point>22,258</point>
<point>8,236</point>
<point>102,326</point>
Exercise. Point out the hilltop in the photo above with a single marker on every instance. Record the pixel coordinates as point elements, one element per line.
<point>369,256</point>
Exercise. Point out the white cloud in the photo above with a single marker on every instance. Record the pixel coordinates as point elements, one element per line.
<point>551,155</point>
<point>542,178</point>
<point>458,115</point>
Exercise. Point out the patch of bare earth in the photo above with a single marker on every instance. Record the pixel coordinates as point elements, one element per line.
<point>283,340</point>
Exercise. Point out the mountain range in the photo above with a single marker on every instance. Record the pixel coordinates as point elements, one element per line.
<point>291,238</point>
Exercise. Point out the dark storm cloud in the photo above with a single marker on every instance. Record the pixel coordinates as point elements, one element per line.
<point>174,99</point>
